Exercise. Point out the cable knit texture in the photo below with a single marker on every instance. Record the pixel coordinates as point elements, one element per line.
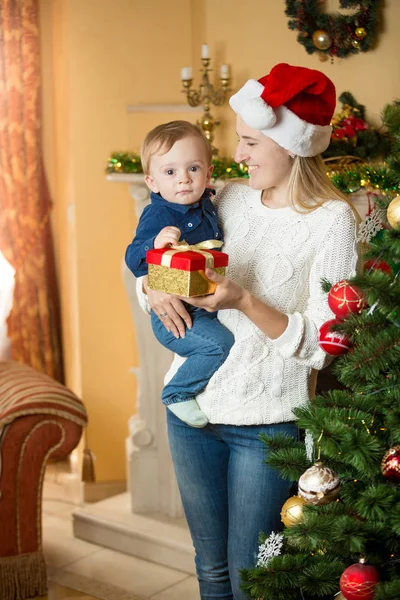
<point>280,256</point>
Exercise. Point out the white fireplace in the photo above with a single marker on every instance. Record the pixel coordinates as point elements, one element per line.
<point>151,480</point>
<point>147,521</point>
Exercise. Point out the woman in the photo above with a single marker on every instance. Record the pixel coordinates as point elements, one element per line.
<point>284,234</point>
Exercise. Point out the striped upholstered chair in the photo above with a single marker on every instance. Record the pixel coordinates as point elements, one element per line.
<point>39,419</point>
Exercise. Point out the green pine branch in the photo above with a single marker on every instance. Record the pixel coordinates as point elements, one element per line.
<point>375,502</point>
<point>290,462</point>
<point>389,590</point>
<point>286,576</point>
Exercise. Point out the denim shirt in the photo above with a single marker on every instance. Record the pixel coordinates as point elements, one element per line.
<point>198,222</point>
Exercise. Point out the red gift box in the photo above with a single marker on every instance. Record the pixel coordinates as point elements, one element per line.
<point>180,270</point>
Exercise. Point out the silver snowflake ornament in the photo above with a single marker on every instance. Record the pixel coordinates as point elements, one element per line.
<point>271,547</point>
<point>372,223</point>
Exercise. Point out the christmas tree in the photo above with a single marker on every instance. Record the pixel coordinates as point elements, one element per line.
<point>342,531</point>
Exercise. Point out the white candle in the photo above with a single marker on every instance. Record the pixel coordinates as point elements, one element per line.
<point>224,71</point>
<point>186,73</point>
<point>204,51</point>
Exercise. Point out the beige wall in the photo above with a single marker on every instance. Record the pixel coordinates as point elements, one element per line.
<point>254,40</point>
<point>97,57</point>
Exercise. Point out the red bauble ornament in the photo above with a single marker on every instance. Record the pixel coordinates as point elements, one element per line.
<point>380,265</point>
<point>358,581</point>
<point>345,298</point>
<point>333,342</point>
<point>390,465</point>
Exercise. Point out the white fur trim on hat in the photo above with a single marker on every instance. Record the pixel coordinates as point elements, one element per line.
<point>251,107</point>
<point>280,124</point>
<point>298,136</point>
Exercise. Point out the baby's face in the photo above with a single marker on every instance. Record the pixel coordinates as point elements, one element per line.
<point>181,174</point>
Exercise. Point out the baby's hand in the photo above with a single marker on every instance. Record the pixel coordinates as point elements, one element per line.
<point>168,235</point>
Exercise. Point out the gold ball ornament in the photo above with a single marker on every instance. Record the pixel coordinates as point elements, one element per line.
<point>321,39</point>
<point>319,485</point>
<point>355,44</point>
<point>207,123</point>
<point>360,32</point>
<point>292,511</point>
<point>393,213</point>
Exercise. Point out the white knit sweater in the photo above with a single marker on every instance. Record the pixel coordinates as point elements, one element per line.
<point>280,256</point>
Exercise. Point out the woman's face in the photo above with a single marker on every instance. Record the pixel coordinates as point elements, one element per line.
<point>269,164</point>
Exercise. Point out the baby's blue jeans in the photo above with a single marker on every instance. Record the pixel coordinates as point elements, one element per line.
<point>206,346</point>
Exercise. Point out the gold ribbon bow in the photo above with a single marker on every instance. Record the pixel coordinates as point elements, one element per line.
<point>201,248</point>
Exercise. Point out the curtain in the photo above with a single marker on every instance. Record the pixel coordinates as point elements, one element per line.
<point>25,231</point>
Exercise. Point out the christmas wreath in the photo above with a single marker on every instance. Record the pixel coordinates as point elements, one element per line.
<point>334,34</point>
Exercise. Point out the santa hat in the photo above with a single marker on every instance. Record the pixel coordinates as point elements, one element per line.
<point>292,105</point>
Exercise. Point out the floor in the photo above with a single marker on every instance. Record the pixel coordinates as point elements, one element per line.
<point>69,559</point>
<point>59,592</point>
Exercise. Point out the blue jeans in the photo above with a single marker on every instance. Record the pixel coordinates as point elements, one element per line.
<point>206,346</point>
<point>229,495</point>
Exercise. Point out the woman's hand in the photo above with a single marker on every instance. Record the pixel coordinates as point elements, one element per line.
<point>227,295</point>
<point>170,310</point>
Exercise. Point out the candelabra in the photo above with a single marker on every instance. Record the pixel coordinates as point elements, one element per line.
<point>207,94</point>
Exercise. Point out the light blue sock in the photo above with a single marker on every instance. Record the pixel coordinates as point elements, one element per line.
<point>189,412</point>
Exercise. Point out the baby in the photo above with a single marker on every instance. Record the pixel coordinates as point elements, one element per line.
<point>176,160</point>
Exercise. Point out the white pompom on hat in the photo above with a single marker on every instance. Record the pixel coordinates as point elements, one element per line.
<point>254,111</point>
<point>291,105</point>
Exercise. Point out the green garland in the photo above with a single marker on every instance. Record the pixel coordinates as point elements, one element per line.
<point>334,34</point>
<point>124,162</point>
<point>129,162</point>
<point>227,168</point>
<point>347,179</point>
<point>378,177</point>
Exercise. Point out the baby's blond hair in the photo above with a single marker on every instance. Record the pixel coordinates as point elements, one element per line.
<point>161,139</point>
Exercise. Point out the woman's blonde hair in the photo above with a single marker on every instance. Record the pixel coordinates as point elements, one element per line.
<point>309,185</point>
